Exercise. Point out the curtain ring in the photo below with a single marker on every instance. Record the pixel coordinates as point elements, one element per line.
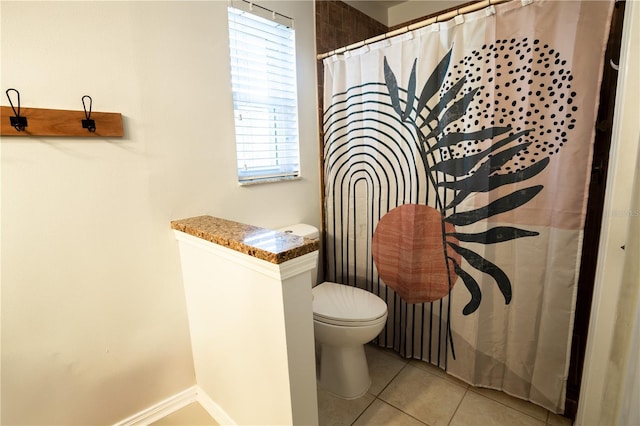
<point>614,65</point>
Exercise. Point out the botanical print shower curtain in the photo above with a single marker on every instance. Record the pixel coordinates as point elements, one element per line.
<point>457,160</point>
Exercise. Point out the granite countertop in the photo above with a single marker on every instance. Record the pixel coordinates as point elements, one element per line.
<point>266,244</point>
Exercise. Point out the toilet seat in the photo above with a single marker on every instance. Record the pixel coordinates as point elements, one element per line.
<point>347,306</point>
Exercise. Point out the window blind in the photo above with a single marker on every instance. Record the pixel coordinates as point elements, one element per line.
<point>263,79</point>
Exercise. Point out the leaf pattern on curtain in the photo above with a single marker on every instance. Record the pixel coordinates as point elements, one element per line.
<point>470,172</point>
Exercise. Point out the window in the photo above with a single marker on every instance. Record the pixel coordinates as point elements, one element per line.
<point>263,80</point>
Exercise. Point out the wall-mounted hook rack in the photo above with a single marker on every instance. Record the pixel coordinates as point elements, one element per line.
<point>59,122</point>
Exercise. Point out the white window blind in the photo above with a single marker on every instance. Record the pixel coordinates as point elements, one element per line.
<point>263,79</point>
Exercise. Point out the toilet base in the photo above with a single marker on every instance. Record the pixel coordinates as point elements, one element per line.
<point>344,371</point>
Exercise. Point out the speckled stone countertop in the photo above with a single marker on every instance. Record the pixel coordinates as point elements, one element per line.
<point>266,244</point>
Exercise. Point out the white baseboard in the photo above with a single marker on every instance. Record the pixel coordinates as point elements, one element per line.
<point>176,402</point>
<point>214,410</point>
<point>162,408</point>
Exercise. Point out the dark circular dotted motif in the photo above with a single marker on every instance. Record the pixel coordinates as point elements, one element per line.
<point>524,84</point>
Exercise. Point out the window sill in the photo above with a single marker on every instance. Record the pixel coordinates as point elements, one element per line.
<point>269,180</point>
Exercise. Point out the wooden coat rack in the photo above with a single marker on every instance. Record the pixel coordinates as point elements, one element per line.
<point>59,122</point>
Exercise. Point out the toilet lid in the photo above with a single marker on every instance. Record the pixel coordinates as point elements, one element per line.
<point>345,303</point>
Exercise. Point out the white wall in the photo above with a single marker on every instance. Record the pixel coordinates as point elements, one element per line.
<point>392,13</point>
<point>414,9</point>
<point>94,324</point>
<point>377,10</point>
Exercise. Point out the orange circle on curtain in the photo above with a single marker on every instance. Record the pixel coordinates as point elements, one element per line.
<point>409,253</point>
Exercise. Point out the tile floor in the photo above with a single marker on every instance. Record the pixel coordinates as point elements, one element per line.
<point>407,393</point>
<point>411,392</point>
<point>191,415</point>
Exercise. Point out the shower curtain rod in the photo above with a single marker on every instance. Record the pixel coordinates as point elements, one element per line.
<point>439,18</point>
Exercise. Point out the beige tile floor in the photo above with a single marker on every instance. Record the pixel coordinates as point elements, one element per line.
<point>411,392</point>
<point>407,393</point>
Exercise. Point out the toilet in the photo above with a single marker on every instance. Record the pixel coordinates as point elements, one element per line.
<point>344,319</point>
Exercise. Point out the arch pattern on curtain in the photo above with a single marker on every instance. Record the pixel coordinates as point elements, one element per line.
<point>457,162</point>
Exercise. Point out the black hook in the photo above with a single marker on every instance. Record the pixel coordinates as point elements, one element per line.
<point>18,122</point>
<point>88,124</point>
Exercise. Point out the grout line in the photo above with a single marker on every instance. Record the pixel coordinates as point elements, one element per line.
<point>377,397</point>
<point>392,379</point>
<point>509,406</point>
<point>459,404</point>
<point>415,418</point>
<point>365,409</point>
<point>406,363</point>
<point>448,377</point>
<point>468,388</point>
<point>402,411</point>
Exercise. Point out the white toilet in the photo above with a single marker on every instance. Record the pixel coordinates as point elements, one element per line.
<point>344,319</point>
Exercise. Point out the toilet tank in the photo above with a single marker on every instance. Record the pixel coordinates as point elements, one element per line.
<point>306,231</point>
<point>302,230</point>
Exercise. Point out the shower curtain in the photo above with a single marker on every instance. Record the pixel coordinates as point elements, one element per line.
<point>457,161</point>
